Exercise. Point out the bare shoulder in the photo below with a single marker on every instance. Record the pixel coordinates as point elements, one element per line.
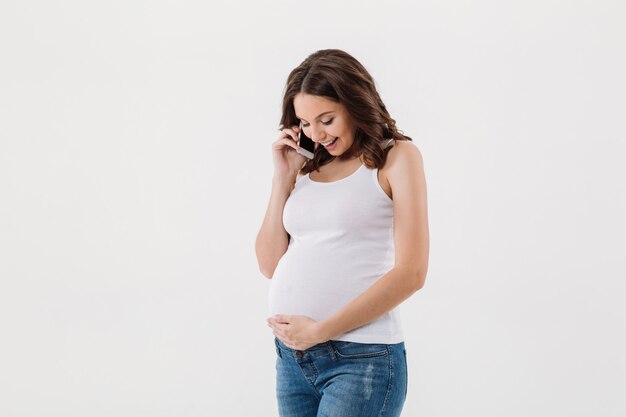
<point>401,150</point>
<point>410,209</point>
<point>404,158</point>
<point>404,161</point>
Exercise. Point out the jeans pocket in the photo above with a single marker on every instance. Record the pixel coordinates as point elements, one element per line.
<point>278,352</point>
<point>353,350</point>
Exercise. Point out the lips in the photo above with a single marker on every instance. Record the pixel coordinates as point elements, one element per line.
<point>331,143</point>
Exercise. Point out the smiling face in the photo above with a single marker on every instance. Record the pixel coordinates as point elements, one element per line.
<point>324,121</point>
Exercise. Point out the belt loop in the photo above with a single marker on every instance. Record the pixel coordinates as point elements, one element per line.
<point>331,350</point>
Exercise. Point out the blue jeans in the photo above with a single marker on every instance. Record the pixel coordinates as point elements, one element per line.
<point>341,379</point>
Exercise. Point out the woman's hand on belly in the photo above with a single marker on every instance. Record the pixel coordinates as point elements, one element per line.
<point>296,332</point>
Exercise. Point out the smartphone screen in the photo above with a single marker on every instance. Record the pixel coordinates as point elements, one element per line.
<point>307,146</point>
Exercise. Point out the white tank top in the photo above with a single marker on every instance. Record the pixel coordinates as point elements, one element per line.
<point>341,243</point>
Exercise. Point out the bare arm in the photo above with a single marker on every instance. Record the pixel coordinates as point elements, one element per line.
<point>411,238</point>
<point>407,179</point>
<point>272,239</point>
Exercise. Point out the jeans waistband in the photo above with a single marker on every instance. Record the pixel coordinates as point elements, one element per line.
<point>313,351</point>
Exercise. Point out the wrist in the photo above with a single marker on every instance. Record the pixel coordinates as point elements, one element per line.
<point>284,180</point>
<point>283,184</point>
<point>324,330</point>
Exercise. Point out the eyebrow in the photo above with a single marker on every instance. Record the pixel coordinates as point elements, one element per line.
<point>321,114</point>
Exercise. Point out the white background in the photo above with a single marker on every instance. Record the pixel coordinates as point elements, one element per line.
<point>135,170</point>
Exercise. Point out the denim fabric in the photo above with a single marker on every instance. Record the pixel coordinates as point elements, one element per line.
<point>341,379</point>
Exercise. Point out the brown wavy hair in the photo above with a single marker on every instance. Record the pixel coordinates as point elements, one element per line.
<point>338,76</point>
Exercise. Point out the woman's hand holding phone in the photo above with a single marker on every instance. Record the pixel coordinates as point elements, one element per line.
<point>287,161</point>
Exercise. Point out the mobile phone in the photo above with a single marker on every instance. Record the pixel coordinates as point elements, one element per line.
<point>307,146</point>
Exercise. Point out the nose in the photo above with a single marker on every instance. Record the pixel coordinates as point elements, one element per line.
<point>317,134</point>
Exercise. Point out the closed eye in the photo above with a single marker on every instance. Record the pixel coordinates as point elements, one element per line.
<point>324,123</point>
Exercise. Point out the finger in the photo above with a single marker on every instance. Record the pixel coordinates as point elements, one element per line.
<point>276,326</point>
<point>283,327</point>
<point>289,133</point>
<point>282,318</point>
<point>279,326</point>
<point>291,137</point>
<point>281,336</point>
<point>286,343</point>
<point>287,142</point>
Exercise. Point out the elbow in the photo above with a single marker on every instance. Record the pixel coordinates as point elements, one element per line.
<point>418,280</point>
<point>419,284</point>
<point>412,279</point>
<point>420,274</point>
<point>268,259</point>
<point>266,271</point>
<point>265,267</point>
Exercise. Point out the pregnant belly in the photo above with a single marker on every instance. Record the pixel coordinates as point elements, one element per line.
<point>317,283</point>
<point>305,294</point>
<point>318,290</point>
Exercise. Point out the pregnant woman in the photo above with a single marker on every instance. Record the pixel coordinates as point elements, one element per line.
<point>344,241</point>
